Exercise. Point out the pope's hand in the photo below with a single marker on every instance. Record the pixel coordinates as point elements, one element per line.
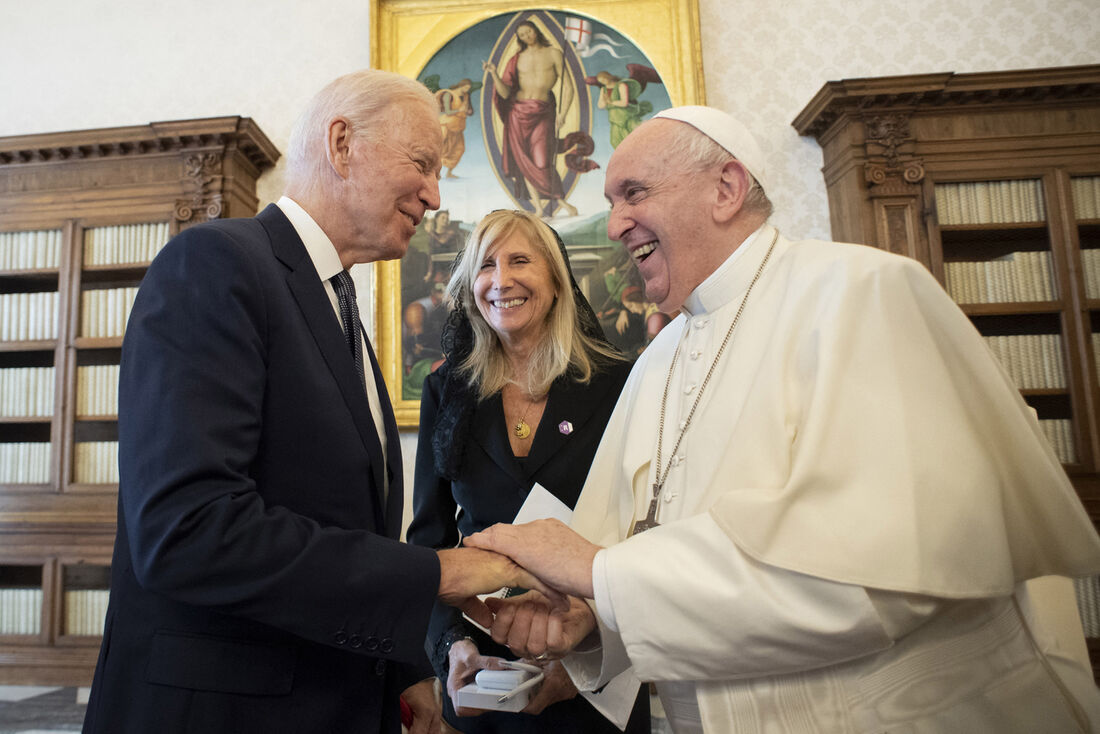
<point>549,549</point>
<point>530,626</point>
<point>555,687</point>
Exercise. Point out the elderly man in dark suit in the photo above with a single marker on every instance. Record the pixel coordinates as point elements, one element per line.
<point>258,583</point>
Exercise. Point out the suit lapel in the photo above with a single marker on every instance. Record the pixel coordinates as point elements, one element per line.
<point>569,402</point>
<point>305,286</point>
<point>395,502</point>
<point>489,431</point>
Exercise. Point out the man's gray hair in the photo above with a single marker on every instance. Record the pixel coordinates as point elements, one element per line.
<point>696,152</point>
<point>367,98</point>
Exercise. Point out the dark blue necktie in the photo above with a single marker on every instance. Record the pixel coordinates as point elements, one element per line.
<point>349,314</point>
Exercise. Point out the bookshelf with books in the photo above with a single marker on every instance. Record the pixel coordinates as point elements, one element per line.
<point>991,180</point>
<point>82,214</point>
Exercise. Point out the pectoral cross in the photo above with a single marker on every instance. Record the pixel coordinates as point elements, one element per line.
<point>650,521</point>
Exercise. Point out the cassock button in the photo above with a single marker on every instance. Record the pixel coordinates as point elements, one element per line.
<point>695,354</point>
<point>689,389</point>
<point>565,428</point>
<point>701,323</point>
<point>683,425</point>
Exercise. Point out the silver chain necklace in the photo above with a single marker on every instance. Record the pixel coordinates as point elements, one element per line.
<point>650,520</point>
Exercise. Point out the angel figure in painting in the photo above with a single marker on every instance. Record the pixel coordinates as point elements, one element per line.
<point>620,98</point>
<point>454,108</point>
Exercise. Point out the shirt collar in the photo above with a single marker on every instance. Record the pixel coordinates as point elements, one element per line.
<point>320,248</point>
<point>719,288</point>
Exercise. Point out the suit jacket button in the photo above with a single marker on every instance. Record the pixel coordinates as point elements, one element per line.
<point>380,668</point>
<point>355,641</point>
<point>387,645</point>
<point>372,643</point>
<point>340,637</point>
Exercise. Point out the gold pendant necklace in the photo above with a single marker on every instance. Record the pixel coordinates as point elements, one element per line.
<point>650,520</point>
<point>522,430</point>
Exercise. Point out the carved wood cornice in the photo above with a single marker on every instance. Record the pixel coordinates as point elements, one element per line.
<point>237,133</point>
<point>862,97</point>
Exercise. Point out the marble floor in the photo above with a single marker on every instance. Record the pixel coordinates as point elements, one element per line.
<point>41,710</point>
<point>47,710</point>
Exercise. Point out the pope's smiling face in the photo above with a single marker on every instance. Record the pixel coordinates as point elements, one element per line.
<point>659,211</point>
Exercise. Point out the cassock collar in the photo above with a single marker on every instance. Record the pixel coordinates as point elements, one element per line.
<point>721,286</point>
<point>320,248</point>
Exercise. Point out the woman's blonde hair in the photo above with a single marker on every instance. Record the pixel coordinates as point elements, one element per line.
<point>566,347</point>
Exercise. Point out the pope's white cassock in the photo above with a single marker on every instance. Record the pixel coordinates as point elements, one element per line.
<point>848,523</point>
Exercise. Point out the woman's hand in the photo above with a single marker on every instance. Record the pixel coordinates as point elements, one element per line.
<point>464,662</point>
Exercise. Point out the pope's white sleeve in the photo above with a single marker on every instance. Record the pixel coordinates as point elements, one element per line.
<point>592,669</point>
<point>689,605</point>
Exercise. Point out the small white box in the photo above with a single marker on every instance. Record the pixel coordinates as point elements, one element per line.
<point>474,697</point>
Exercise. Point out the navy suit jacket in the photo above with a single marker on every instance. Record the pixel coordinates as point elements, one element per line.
<point>258,584</point>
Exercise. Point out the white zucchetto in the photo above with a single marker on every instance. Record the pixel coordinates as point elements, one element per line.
<point>725,130</point>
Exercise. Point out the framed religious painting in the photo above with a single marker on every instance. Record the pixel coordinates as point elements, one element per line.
<point>532,101</point>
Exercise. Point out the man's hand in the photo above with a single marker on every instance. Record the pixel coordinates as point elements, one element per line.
<point>464,662</point>
<point>556,686</point>
<point>549,549</point>
<point>466,572</point>
<point>424,704</point>
<point>531,628</point>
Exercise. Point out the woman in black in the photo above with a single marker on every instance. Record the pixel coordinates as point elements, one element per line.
<point>527,388</point>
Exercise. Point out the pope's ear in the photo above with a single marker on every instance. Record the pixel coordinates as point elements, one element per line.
<point>734,183</point>
<point>338,145</point>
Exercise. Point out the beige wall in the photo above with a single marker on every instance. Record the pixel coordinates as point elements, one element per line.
<point>70,64</point>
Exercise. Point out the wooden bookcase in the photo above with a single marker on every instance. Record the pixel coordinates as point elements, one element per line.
<point>992,181</point>
<point>81,215</point>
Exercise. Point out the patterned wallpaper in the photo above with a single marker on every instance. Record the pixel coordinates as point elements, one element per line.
<point>66,65</point>
<point>763,61</point>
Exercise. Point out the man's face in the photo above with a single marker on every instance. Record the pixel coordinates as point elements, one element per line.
<point>526,34</point>
<point>391,182</point>
<point>659,213</point>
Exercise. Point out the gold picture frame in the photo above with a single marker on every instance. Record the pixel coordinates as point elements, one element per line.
<point>407,36</point>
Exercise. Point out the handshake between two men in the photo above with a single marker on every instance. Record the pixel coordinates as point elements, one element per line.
<point>545,556</point>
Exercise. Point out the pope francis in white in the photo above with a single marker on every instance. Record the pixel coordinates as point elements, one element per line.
<point>819,497</point>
